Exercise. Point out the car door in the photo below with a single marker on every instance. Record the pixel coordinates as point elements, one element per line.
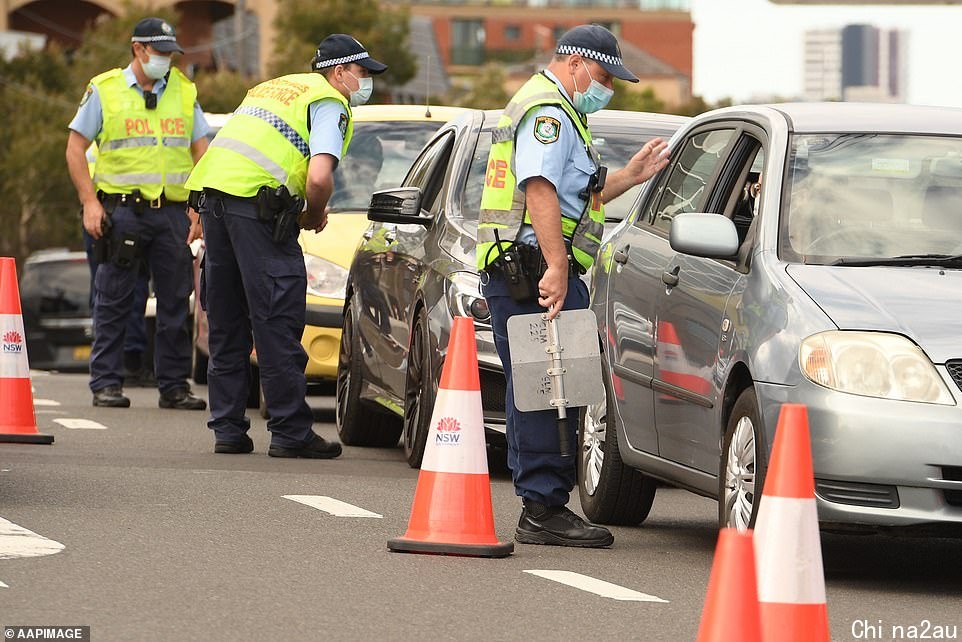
<point>641,256</point>
<point>691,313</point>
<point>401,261</point>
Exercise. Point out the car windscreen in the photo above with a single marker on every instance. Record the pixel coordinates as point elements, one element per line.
<point>57,288</point>
<point>616,144</point>
<point>867,197</point>
<point>379,156</point>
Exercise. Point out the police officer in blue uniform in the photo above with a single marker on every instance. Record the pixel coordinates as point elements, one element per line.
<point>280,149</point>
<point>554,169</point>
<point>157,230</point>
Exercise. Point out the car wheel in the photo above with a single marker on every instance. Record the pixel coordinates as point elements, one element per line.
<point>358,424</point>
<point>420,391</point>
<point>611,492</point>
<point>743,465</point>
<point>199,374</point>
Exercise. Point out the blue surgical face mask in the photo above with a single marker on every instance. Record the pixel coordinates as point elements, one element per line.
<point>156,67</point>
<point>595,98</point>
<point>365,86</point>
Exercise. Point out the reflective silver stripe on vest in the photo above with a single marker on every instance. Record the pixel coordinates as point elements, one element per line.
<point>252,154</point>
<point>176,141</point>
<point>177,179</point>
<point>125,143</point>
<point>515,111</point>
<point>130,179</point>
<point>277,123</point>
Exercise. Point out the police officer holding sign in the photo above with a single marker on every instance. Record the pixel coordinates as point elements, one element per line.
<point>279,148</point>
<point>150,131</point>
<point>541,223</point>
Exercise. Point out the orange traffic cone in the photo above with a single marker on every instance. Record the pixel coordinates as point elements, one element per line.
<point>17,421</point>
<point>788,553</point>
<point>452,512</point>
<point>731,605</point>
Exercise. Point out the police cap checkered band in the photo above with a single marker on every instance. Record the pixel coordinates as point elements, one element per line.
<point>158,33</point>
<point>596,43</point>
<point>341,49</point>
<point>589,53</point>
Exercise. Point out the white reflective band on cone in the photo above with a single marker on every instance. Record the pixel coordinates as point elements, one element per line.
<point>456,440</point>
<point>13,348</point>
<point>788,552</point>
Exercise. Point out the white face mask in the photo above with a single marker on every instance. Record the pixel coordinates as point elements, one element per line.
<point>365,86</point>
<point>156,67</point>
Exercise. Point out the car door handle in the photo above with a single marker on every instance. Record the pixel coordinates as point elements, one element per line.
<point>621,256</point>
<point>670,278</point>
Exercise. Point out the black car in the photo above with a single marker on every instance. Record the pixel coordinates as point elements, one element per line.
<point>413,272</point>
<point>55,298</point>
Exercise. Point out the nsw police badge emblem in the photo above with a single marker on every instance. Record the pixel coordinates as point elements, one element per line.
<point>342,125</point>
<point>546,129</point>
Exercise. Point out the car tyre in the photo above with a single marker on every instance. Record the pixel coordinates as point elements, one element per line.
<point>420,391</point>
<point>611,491</point>
<point>744,462</point>
<point>359,424</point>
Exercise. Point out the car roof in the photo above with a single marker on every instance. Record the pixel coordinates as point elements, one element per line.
<point>613,117</point>
<point>863,117</point>
<point>435,113</point>
<point>52,254</point>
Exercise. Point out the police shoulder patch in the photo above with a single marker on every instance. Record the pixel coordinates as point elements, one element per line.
<point>87,94</point>
<point>342,125</point>
<point>547,129</point>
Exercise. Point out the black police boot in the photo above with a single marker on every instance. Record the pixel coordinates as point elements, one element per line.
<point>111,397</point>
<point>558,526</point>
<point>181,399</point>
<point>317,448</point>
<point>241,446</point>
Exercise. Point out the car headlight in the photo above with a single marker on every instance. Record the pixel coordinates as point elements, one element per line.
<point>873,364</point>
<point>464,297</point>
<point>324,278</point>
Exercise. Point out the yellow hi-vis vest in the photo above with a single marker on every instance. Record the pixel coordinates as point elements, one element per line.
<point>266,141</point>
<point>503,204</point>
<point>140,148</point>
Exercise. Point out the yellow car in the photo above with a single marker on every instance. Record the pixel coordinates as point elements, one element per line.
<point>387,139</point>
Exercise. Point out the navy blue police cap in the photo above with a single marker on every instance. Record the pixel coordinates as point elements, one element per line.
<point>596,43</point>
<point>341,49</point>
<point>157,33</point>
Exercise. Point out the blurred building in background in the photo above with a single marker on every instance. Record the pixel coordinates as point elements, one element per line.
<point>452,38</point>
<point>858,63</point>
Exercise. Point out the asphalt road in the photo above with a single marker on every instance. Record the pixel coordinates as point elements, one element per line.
<point>164,540</point>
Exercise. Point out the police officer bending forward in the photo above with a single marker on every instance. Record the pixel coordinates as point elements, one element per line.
<point>281,146</point>
<point>150,130</point>
<point>542,210</point>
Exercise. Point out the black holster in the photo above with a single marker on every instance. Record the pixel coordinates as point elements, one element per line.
<point>280,208</point>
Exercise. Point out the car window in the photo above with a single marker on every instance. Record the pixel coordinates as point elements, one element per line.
<point>57,288</point>
<point>685,186</point>
<point>471,198</point>
<point>421,168</point>
<point>872,196</point>
<point>378,157</point>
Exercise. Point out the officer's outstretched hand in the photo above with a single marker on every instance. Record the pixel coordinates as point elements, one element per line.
<point>552,289</point>
<point>196,230</point>
<point>94,218</point>
<point>649,160</point>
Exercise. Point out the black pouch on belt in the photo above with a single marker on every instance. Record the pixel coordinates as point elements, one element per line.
<point>126,251</point>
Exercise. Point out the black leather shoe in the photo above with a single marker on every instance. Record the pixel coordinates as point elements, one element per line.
<point>181,399</point>
<point>558,526</point>
<point>240,447</point>
<point>143,378</point>
<point>111,397</point>
<point>319,448</point>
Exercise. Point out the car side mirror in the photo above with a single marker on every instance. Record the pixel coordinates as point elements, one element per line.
<point>711,236</point>
<point>398,205</point>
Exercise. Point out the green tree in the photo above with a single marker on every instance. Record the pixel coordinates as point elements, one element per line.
<point>484,91</point>
<point>381,29</point>
<point>631,100</point>
<point>220,91</point>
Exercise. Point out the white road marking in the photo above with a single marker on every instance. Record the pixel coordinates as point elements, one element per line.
<point>333,506</point>
<point>16,541</point>
<point>2,585</point>
<point>596,586</point>
<point>45,402</point>
<point>80,424</point>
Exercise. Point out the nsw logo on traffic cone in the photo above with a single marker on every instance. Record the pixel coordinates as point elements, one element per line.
<point>17,420</point>
<point>452,511</point>
<point>788,553</point>
<point>731,604</point>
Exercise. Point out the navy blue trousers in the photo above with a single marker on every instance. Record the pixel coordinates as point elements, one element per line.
<point>255,292</point>
<point>163,235</point>
<point>539,472</point>
<point>135,334</point>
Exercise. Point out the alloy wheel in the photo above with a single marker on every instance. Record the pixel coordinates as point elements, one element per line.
<point>740,475</point>
<point>593,447</point>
